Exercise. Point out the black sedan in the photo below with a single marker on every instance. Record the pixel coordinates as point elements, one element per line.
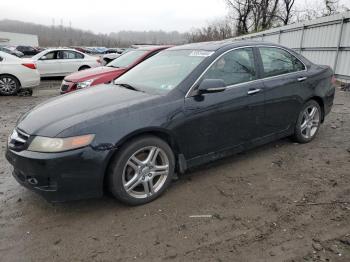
<point>180,108</point>
<point>11,51</point>
<point>27,50</point>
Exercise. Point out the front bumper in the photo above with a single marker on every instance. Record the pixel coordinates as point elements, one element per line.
<point>59,177</point>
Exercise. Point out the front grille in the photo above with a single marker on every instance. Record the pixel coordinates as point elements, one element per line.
<point>18,140</point>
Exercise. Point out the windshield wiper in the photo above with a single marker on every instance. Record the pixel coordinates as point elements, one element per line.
<point>127,86</point>
<point>113,66</point>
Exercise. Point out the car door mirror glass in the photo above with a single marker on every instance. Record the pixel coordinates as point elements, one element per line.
<point>211,86</point>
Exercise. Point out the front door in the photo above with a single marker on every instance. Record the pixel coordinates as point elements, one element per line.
<point>49,64</point>
<point>219,121</point>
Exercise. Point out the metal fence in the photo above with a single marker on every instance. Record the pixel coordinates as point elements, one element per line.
<point>323,41</point>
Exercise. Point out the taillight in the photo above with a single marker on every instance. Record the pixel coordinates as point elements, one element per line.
<point>334,80</point>
<point>30,65</point>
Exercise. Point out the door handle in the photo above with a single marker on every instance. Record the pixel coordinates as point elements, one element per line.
<point>253,91</point>
<point>301,79</point>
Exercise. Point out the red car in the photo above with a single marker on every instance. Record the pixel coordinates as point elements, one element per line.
<point>111,71</point>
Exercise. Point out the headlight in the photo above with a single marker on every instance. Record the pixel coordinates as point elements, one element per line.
<point>54,145</point>
<point>85,84</point>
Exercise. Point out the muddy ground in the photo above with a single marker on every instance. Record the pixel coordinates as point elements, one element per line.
<point>280,202</point>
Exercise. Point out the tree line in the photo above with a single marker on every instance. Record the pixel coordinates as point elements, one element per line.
<point>244,17</point>
<point>53,36</point>
<point>250,16</point>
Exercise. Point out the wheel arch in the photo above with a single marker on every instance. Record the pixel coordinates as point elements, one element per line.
<point>84,66</point>
<point>161,133</point>
<point>7,74</point>
<point>320,101</point>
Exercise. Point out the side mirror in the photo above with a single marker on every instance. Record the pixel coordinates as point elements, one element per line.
<point>44,57</point>
<point>211,86</point>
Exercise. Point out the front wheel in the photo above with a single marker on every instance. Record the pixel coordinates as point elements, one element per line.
<point>308,123</point>
<point>141,171</point>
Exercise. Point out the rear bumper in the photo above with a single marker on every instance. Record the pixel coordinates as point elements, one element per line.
<point>59,177</point>
<point>328,101</point>
<point>31,80</point>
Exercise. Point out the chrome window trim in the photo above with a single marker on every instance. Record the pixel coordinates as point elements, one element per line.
<point>190,90</point>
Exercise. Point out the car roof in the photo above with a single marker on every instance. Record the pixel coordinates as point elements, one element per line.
<point>60,49</point>
<point>216,45</point>
<point>153,47</point>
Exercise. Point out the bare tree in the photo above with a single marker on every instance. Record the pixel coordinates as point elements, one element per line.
<point>285,13</point>
<point>242,10</point>
<point>332,7</point>
<point>217,30</point>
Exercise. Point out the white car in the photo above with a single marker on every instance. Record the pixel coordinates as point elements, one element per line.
<point>16,73</point>
<point>62,62</point>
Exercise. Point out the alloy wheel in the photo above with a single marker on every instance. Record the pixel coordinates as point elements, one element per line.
<point>145,172</point>
<point>7,85</point>
<point>310,122</point>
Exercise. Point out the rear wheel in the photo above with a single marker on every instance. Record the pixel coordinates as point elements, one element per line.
<point>141,171</point>
<point>9,85</point>
<point>308,123</point>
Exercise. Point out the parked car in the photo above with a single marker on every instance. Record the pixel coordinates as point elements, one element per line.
<point>107,73</point>
<point>16,73</point>
<point>113,51</point>
<point>178,109</point>
<point>107,58</point>
<point>11,51</point>
<point>81,49</point>
<point>62,62</point>
<point>27,50</point>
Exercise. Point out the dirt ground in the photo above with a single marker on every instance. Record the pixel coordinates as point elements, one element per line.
<point>280,202</point>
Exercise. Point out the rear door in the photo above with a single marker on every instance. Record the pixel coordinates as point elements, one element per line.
<point>71,61</point>
<point>282,75</point>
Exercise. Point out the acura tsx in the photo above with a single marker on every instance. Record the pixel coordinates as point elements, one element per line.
<point>183,107</point>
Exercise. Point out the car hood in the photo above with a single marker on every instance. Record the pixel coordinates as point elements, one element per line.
<point>93,73</point>
<point>54,116</point>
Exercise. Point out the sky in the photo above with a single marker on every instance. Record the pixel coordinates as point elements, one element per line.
<point>107,16</point>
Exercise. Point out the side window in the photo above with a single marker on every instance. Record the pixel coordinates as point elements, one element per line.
<point>1,59</point>
<point>72,55</point>
<point>50,56</point>
<point>78,55</point>
<point>277,61</point>
<point>236,66</point>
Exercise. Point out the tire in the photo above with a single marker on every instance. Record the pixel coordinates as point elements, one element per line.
<point>9,85</point>
<point>135,181</point>
<point>308,123</point>
<point>83,68</point>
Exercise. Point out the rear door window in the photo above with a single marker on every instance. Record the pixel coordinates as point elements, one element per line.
<point>277,61</point>
<point>72,55</point>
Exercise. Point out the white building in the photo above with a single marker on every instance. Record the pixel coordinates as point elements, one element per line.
<point>7,38</point>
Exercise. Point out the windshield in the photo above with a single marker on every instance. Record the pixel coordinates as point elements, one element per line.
<point>162,72</point>
<point>127,59</point>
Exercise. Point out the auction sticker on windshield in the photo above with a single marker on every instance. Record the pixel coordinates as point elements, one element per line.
<point>201,53</point>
